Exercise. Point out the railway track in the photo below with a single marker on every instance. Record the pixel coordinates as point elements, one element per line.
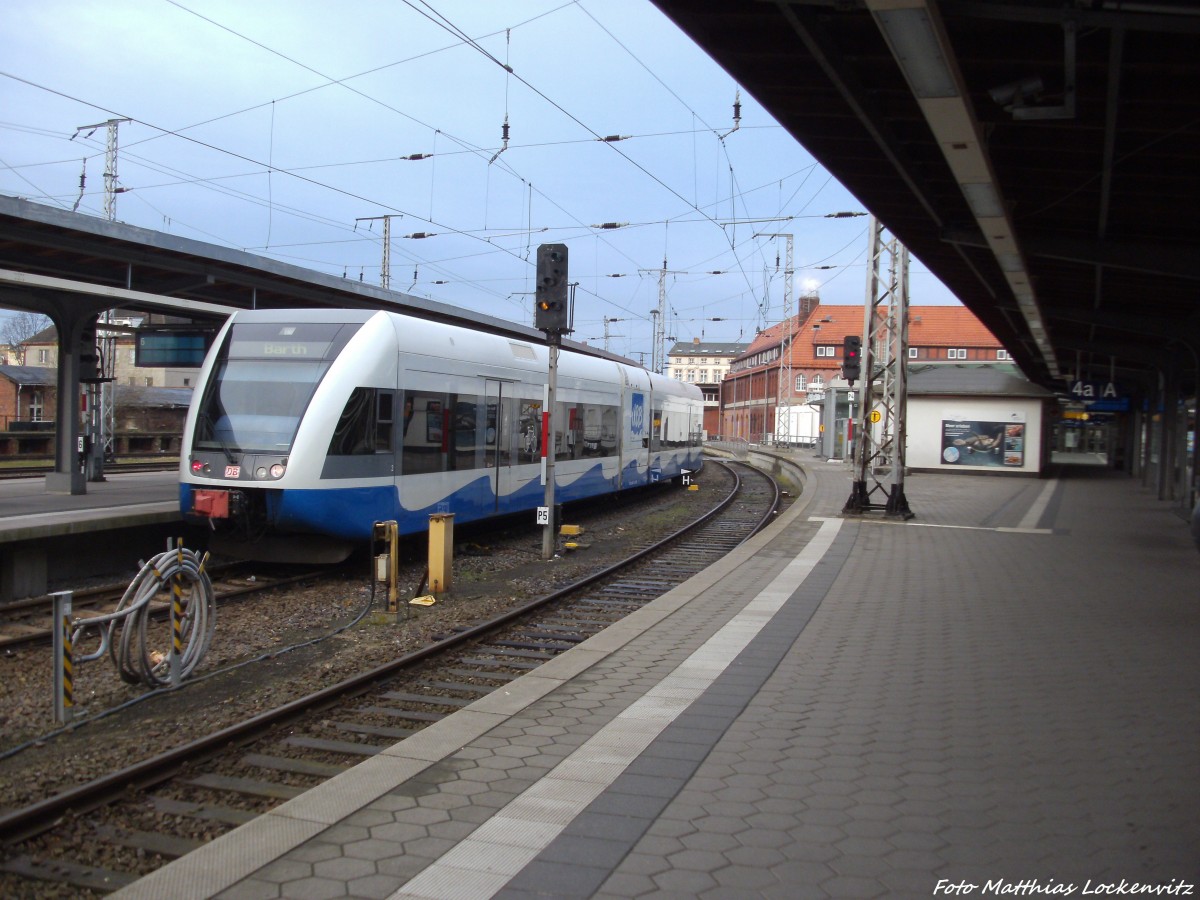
<point>30,621</point>
<point>31,469</point>
<point>102,835</point>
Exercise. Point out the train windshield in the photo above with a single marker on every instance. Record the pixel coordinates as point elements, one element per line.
<point>263,380</point>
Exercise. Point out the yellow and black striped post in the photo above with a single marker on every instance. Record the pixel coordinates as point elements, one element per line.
<point>176,660</point>
<point>64,661</point>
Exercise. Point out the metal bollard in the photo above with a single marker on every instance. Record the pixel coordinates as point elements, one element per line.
<point>441,552</point>
<point>389,531</point>
<point>64,662</point>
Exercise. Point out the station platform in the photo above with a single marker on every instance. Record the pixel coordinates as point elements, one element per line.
<point>44,535</point>
<point>1000,696</point>
<point>27,510</point>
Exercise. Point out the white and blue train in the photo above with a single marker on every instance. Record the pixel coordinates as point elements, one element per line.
<point>322,422</point>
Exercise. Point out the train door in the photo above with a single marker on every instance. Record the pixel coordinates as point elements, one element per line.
<point>497,434</point>
<point>635,449</point>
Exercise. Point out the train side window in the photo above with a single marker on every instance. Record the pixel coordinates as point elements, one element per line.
<point>656,435</point>
<point>598,429</point>
<point>568,431</point>
<point>467,442</point>
<point>424,432</point>
<point>365,425</point>
<point>384,421</point>
<point>529,430</point>
<point>506,433</point>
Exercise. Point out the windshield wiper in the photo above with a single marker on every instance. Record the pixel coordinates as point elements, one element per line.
<point>212,432</point>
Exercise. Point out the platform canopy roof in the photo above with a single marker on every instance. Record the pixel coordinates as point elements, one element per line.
<point>50,256</point>
<point>1039,156</point>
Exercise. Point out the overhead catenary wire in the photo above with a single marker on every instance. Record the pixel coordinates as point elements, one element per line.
<point>499,244</point>
<point>269,168</point>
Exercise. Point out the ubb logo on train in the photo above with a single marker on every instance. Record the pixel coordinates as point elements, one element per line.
<point>637,420</point>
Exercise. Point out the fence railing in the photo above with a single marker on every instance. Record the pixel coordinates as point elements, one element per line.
<point>739,447</point>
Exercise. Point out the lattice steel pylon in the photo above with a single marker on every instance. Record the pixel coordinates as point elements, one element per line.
<point>881,430</point>
<point>385,268</point>
<point>110,164</point>
<point>783,386</point>
<point>658,354</point>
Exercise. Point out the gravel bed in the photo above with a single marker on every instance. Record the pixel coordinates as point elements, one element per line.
<point>493,570</point>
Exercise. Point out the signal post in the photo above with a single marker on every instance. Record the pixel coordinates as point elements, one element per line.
<point>551,315</point>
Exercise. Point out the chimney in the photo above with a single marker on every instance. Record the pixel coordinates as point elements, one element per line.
<point>695,340</point>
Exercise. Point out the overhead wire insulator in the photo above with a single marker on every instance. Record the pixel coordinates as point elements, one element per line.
<point>82,183</point>
<point>610,225</point>
<point>503,140</point>
<point>416,156</point>
<point>417,235</point>
<point>613,138</point>
<point>508,69</point>
<point>737,115</point>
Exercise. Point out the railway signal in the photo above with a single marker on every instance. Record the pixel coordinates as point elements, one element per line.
<point>551,313</point>
<point>852,357</point>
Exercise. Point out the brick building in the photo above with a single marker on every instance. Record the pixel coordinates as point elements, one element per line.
<point>28,395</point>
<point>146,419</point>
<point>750,394</point>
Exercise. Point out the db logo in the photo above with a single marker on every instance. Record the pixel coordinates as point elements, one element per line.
<point>637,421</point>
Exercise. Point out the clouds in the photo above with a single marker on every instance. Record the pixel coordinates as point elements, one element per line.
<point>275,126</point>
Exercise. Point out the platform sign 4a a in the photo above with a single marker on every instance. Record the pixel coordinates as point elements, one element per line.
<point>1104,396</point>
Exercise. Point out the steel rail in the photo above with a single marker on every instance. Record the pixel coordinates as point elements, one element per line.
<point>21,824</point>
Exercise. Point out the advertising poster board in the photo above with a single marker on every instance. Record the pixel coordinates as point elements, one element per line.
<point>967,442</point>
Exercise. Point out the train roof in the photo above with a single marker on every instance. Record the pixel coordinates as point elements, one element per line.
<point>326,314</point>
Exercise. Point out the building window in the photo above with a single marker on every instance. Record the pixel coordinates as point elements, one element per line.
<point>43,356</point>
<point>912,352</point>
<point>1003,354</point>
<point>817,383</point>
<point>958,353</point>
<point>36,406</point>
<point>800,381</point>
<point>826,350</point>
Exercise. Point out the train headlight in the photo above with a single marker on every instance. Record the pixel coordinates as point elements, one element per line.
<point>260,472</point>
<point>199,466</point>
<point>277,470</point>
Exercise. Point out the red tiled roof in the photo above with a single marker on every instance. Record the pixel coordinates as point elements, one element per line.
<point>929,326</point>
<point>947,326</point>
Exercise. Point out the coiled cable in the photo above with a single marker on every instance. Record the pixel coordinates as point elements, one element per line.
<point>132,652</point>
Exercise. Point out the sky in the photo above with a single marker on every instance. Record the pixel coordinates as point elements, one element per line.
<point>286,129</point>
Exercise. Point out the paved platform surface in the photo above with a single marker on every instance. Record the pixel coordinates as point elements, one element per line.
<point>27,510</point>
<point>1000,697</point>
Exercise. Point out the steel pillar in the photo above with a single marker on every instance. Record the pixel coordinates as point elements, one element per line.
<point>879,448</point>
